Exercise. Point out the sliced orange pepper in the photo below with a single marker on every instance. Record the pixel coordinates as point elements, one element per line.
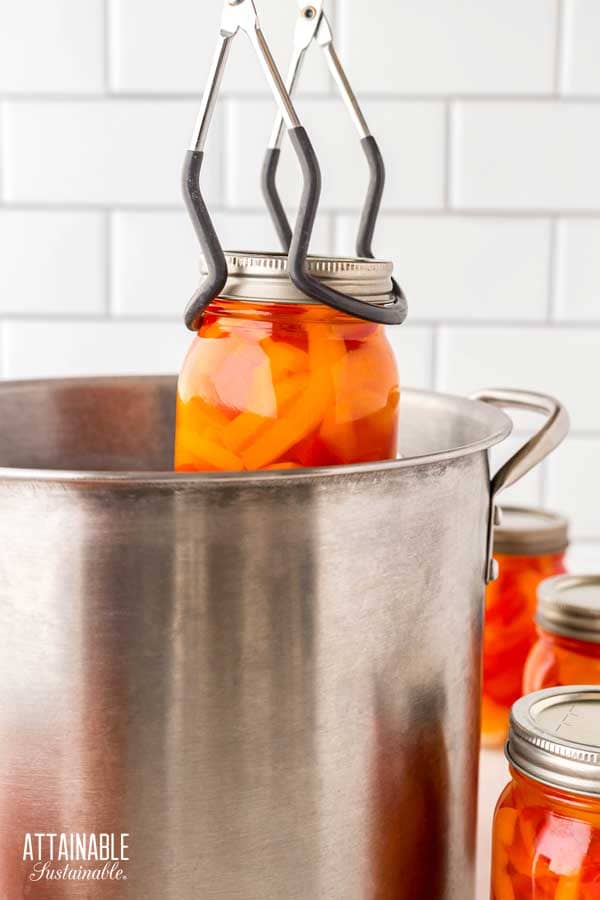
<point>325,348</point>
<point>310,451</point>
<point>213,330</point>
<point>239,433</point>
<point>378,434</point>
<point>305,413</point>
<point>288,389</point>
<point>302,417</point>
<point>284,358</point>
<point>505,825</point>
<point>187,459</point>
<point>527,831</point>
<point>208,452</point>
<point>198,415</point>
<point>338,432</point>
<point>568,888</point>
<point>501,881</point>
<point>340,440</point>
<point>521,860</point>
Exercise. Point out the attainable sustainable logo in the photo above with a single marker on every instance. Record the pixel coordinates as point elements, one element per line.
<point>76,856</point>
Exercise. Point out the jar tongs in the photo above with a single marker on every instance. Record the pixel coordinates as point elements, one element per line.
<point>314,26</point>
<point>241,15</point>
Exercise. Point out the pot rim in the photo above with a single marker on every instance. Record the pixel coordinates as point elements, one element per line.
<point>500,427</point>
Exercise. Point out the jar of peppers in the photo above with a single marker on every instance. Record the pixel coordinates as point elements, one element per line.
<point>275,381</point>
<point>568,646</point>
<point>546,835</point>
<point>529,546</point>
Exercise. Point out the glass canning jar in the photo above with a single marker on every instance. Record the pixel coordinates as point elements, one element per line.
<point>529,546</point>
<point>276,381</point>
<point>568,646</point>
<point>546,834</point>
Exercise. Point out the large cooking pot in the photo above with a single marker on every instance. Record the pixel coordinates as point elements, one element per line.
<point>269,683</point>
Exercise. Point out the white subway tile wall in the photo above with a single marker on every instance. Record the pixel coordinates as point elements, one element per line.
<point>580,72</point>
<point>489,118</point>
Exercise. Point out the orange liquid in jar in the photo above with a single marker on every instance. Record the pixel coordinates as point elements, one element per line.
<point>277,387</point>
<point>546,844</point>
<point>510,633</point>
<point>556,661</point>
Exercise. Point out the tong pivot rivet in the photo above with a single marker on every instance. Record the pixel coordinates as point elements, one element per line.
<point>309,13</point>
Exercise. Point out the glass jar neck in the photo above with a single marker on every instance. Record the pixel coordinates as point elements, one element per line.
<point>285,312</point>
<point>570,645</point>
<point>534,793</point>
<point>556,560</point>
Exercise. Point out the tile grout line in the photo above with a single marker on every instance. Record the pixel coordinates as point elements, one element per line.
<point>449,155</point>
<point>333,229</point>
<point>226,167</point>
<point>2,154</point>
<point>336,26</point>
<point>544,486</point>
<point>441,324</point>
<point>560,49</point>
<point>109,298</point>
<point>106,46</point>
<point>507,215</point>
<point>554,272</point>
<point>117,96</point>
<point>435,361</point>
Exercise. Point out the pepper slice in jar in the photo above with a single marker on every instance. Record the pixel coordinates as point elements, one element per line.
<point>541,852</point>
<point>269,388</point>
<point>567,651</point>
<point>509,635</point>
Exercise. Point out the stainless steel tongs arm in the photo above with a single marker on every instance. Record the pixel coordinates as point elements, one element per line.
<point>324,38</point>
<point>241,15</point>
<point>313,27</point>
<point>305,33</point>
<point>238,15</point>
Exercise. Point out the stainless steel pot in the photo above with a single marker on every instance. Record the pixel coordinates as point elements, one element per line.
<point>269,681</point>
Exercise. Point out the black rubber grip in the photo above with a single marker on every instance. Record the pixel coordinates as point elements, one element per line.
<point>364,243</point>
<point>273,200</point>
<point>393,314</point>
<point>368,222</point>
<point>216,263</point>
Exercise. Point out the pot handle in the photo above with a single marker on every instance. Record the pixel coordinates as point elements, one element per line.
<point>542,444</point>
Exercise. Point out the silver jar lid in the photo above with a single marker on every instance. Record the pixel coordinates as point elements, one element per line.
<point>524,531</point>
<point>569,606</point>
<point>555,738</point>
<point>263,278</point>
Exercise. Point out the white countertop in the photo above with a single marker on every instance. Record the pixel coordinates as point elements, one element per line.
<point>493,778</point>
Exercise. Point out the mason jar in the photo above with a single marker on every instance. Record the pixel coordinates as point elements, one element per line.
<point>274,380</point>
<point>568,646</point>
<point>529,546</point>
<point>546,835</point>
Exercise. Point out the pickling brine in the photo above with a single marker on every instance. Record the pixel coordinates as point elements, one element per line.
<point>567,650</point>
<point>529,547</point>
<point>546,833</point>
<point>278,386</point>
<point>546,844</point>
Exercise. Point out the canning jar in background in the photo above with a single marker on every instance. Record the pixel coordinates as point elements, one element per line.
<point>529,546</point>
<point>276,381</point>
<point>568,647</point>
<point>546,836</point>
